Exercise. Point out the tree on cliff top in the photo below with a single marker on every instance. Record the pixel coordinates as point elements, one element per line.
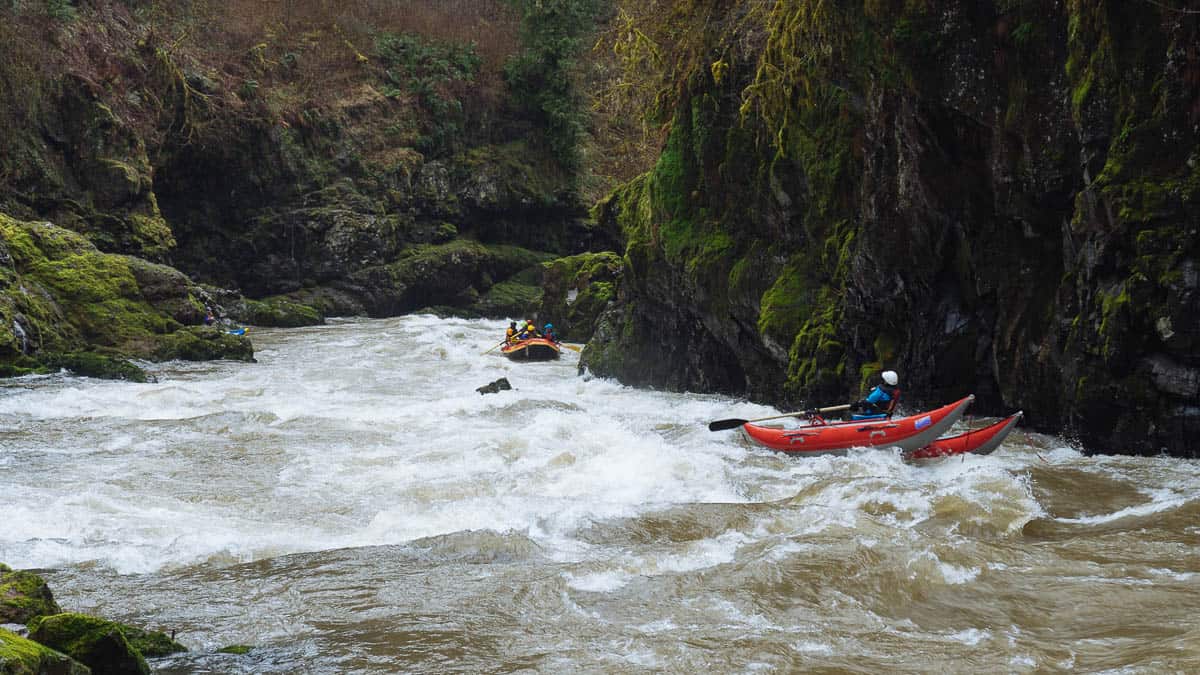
<point>542,77</point>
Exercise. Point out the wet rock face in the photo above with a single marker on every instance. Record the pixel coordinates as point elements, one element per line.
<point>1002,201</point>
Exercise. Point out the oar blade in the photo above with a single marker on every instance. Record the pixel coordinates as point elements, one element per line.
<point>722,425</point>
<point>574,348</point>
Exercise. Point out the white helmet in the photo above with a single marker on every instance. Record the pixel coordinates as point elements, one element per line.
<point>891,377</point>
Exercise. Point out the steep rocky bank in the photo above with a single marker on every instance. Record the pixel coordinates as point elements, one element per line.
<point>997,198</point>
<point>274,167</point>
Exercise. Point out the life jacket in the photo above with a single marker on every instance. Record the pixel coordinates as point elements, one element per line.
<point>893,393</point>
<point>879,407</point>
<point>510,335</point>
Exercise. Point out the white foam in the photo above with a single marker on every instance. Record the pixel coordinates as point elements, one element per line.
<point>1161,500</point>
<point>371,432</point>
<point>818,648</point>
<point>971,636</point>
<point>599,582</point>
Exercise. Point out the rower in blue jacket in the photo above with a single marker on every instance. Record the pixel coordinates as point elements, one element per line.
<point>882,400</point>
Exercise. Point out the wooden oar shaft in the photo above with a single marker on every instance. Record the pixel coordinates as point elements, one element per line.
<point>832,408</point>
<point>721,425</point>
<point>494,346</point>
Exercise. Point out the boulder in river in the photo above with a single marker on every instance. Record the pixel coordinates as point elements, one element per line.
<point>97,643</point>
<point>20,655</point>
<point>495,387</point>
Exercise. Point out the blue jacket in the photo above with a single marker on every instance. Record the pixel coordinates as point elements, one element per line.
<point>883,398</point>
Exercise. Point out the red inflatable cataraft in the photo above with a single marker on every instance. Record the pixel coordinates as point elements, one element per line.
<point>976,442</point>
<point>533,349</point>
<point>907,433</point>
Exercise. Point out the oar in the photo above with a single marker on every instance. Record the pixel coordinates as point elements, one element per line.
<point>494,346</point>
<point>722,425</point>
<point>571,347</point>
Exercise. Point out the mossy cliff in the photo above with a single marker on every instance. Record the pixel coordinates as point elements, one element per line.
<point>577,290</point>
<point>998,198</point>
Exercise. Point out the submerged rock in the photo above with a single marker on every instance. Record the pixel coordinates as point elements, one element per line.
<point>235,649</point>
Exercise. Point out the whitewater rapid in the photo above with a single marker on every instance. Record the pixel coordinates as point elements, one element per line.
<point>582,498</point>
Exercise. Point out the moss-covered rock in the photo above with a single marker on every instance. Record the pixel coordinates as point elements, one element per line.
<point>99,644</point>
<point>456,274</point>
<point>151,643</point>
<point>202,343</point>
<point>20,656</point>
<point>577,289</point>
<point>235,649</point>
<point>280,311</point>
<point>24,596</point>
<point>508,299</point>
<point>65,304</point>
<point>91,364</point>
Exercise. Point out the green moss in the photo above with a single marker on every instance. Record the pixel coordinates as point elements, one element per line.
<point>816,359</point>
<point>99,644</point>
<point>577,289</point>
<point>886,347</point>
<point>1114,321</point>
<point>19,656</point>
<point>788,303</point>
<point>91,364</point>
<point>510,298</point>
<point>201,343</point>
<point>235,649</point>
<point>151,234</point>
<point>151,644</point>
<point>672,179</point>
<point>96,293</point>
<point>23,596</point>
<point>282,312</point>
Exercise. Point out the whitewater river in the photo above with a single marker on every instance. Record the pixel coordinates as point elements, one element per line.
<point>350,504</point>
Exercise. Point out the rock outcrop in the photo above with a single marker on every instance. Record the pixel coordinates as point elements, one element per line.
<point>64,303</point>
<point>994,198</point>
<point>24,596</point>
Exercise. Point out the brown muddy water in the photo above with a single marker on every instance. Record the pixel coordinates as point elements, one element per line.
<point>350,504</point>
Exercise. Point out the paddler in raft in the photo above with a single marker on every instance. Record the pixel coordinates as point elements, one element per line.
<point>528,332</point>
<point>510,335</point>
<point>881,402</point>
